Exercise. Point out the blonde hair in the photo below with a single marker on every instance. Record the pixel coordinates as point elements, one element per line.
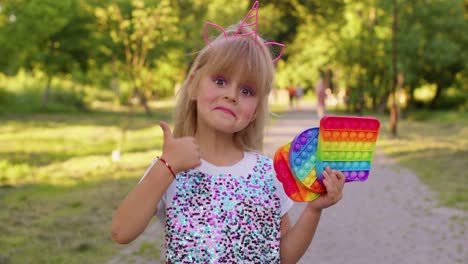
<point>230,55</point>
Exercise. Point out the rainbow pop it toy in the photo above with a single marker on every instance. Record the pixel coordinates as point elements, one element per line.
<point>294,189</point>
<point>302,157</point>
<point>347,144</point>
<point>344,143</point>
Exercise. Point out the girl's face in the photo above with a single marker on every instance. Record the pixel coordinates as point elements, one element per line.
<point>225,103</point>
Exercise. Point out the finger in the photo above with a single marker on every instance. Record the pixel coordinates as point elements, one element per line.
<point>341,177</point>
<point>332,175</point>
<point>166,130</point>
<point>333,192</point>
<point>328,182</point>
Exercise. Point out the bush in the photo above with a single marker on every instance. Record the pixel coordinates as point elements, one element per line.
<point>27,99</point>
<point>5,97</point>
<point>452,99</point>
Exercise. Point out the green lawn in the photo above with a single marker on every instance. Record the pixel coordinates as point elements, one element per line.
<point>59,185</point>
<point>435,146</point>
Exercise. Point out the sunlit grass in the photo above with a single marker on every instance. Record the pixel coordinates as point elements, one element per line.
<point>435,146</point>
<point>60,185</point>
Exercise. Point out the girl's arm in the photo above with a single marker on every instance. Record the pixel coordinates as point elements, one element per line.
<point>134,213</point>
<point>137,209</point>
<point>295,240</point>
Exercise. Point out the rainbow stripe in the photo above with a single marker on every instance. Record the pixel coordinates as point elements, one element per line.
<point>347,143</point>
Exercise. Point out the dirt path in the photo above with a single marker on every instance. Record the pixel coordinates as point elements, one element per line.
<point>390,218</point>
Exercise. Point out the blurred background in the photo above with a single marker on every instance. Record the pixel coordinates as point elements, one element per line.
<point>83,84</point>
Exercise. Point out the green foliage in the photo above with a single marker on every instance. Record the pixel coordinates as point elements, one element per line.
<point>453,99</point>
<point>140,34</point>
<point>23,17</point>
<point>60,40</point>
<point>149,44</point>
<point>23,93</point>
<point>431,48</point>
<point>5,96</point>
<point>309,30</point>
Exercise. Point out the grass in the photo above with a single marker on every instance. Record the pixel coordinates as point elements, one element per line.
<point>59,185</point>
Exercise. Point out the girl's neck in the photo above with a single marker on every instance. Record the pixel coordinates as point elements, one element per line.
<point>219,149</point>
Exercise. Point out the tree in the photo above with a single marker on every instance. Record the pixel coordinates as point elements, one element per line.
<point>60,43</point>
<point>141,34</point>
<point>432,48</point>
<point>393,110</point>
<point>309,30</point>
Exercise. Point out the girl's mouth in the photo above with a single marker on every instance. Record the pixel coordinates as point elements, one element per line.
<point>225,110</point>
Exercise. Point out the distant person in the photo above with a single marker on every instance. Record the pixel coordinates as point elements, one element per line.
<point>299,94</point>
<point>219,196</point>
<point>292,95</point>
<point>320,91</point>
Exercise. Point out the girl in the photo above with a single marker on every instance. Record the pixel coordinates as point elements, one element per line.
<point>223,203</point>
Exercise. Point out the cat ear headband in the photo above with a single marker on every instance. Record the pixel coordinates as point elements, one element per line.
<point>250,20</point>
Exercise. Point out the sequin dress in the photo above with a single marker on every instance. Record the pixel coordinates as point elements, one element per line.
<point>225,214</point>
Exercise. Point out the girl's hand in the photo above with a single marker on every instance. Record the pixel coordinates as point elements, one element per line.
<point>181,153</point>
<point>334,182</point>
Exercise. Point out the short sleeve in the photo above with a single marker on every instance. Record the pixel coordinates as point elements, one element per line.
<point>285,202</point>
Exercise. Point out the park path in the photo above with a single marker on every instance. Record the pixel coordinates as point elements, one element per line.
<point>390,218</point>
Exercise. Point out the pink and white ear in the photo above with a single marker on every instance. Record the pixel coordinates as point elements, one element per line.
<point>275,46</point>
<point>208,25</point>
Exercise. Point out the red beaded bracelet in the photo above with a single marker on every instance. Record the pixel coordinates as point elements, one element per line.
<point>167,165</point>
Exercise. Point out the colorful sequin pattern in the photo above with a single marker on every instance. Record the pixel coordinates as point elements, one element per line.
<point>224,218</point>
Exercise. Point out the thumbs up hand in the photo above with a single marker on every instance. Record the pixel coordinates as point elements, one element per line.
<point>181,153</point>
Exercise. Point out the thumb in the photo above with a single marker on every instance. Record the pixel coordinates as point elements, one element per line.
<point>166,130</point>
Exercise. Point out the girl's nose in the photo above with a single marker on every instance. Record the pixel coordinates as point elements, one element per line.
<point>230,98</point>
<point>231,94</point>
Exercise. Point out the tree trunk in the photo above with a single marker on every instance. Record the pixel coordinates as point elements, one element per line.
<point>143,100</point>
<point>383,102</point>
<point>394,110</point>
<point>115,86</point>
<point>144,103</point>
<point>374,103</point>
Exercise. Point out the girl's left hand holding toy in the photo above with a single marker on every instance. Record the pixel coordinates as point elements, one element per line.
<point>296,239</point>
<point>334,181</point>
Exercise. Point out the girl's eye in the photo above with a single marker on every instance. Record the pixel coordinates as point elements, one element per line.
<point>220,81</point>
<point>247,91</point>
